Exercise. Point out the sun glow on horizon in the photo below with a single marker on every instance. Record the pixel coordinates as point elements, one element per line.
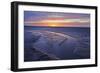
<point>59,22</point>
<point>52,25</point>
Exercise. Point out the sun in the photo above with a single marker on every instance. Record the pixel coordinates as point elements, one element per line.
<point>52,24</point>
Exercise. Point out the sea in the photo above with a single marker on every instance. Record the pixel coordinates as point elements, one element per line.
<point>81,33</point>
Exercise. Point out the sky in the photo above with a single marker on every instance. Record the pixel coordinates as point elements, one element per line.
<point>56,19</point>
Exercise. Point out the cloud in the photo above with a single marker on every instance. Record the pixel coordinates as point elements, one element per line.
<point>35,18</point>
